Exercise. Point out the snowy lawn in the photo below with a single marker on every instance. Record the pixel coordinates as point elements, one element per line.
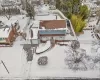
<point>12,57</point>
<point>86,36</point>
<point>15,60</point>
<point>43,48</point>
<point>56,66</point>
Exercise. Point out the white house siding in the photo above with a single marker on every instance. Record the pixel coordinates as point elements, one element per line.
<point>59,38</point>
<point>46,38</point>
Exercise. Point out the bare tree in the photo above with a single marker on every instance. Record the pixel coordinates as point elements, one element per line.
<point>75,59</point>
<point>7,13</point>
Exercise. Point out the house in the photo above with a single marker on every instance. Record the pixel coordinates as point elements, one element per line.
<point>7,3</point>
<point>7,34</point>
<point>44,1</point>
<point>52,29</point>
<point>50,25</point>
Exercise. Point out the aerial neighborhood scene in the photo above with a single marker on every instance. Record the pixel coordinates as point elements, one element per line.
<point>49,39</point>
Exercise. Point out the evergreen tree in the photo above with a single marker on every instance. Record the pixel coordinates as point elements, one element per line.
<point>84,12</point>
<point>68,7</point>
<point>30,10</point>
<point>78,23</point>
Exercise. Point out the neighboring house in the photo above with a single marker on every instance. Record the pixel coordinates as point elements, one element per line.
<point>10,3</point>
<point>47,1</point>
<point>7,34</point>
<point>52,29</point>
<point>9,8</point>
<point>7,3</point>
<point>40,2</point>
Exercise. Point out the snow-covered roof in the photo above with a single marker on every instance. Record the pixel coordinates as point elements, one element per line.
<point>5,29</point>
<point>4,33</point>
<point>44,7</point>
<point>46,17</point>
<point>10,22</point>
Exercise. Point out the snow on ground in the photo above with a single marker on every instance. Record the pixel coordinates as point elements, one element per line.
<point>4,18</point>
<point>15,59</point>
<point>69,37</point>
<point>11,56</point>
<point>56,66</point>
<point>43,48</point>
<point>23,23</point>
<point>86,37</point>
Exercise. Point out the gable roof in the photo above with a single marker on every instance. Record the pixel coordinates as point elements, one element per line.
<point>53,24</point>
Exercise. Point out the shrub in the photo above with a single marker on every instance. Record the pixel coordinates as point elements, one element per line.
<point>78,23</point>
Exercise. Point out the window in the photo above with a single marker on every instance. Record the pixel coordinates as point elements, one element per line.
<point>2,39</point>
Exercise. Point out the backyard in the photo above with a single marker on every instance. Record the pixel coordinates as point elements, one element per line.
<point>84,57</point>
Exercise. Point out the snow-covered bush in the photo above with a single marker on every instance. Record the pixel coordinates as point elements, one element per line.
<point>78,60</point>
<point>96,61</point>
<point>75,44</point>
<point>43,60</point>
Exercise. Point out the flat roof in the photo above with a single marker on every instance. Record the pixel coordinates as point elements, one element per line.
<point>52,24</point>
